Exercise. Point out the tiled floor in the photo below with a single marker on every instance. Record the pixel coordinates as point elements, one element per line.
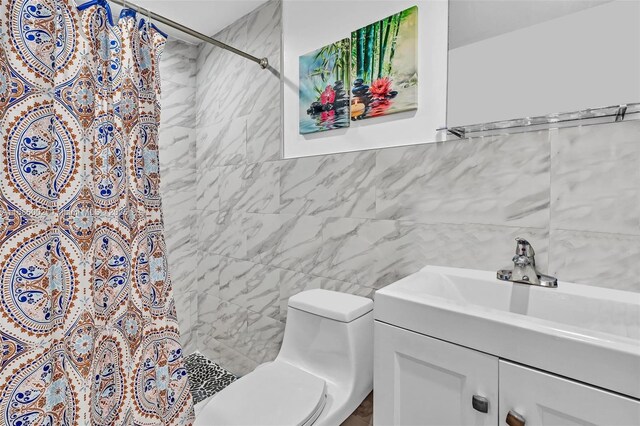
<point>363,416</point>
<point>206,378</point>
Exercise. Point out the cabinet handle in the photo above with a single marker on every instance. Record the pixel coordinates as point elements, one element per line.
<point>480,403</point>
<point>515,419</point>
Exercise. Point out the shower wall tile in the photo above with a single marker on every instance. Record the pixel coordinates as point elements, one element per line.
<point>264,35</point>
<point>493,181</point>
<point>236,134</point>
<point>263,290</point>
<point>178,230</point>
<point>250,285</point>
<point>234,274</point>
<point>183,268</point>
<point>599,259</point>
<point>212,60</point>
<point>285,241</point>
<point>207,303</point>
<point>231,324</point>
<point>178,62</point>
<point>208,273</point>
<point>264,135</point>
<point>177,148</point>
<point>223,233</point>
<point>177,187</point>
<point>264,337</point>
<point>222,144</point>
<point>341,185</point>
<point>264,38</point>
<point>206,150</point>
<point>235,34</point>
<point>221,95</point>
<point>232,187</point>
<point>178,104</point>
<point>595,175</point>
<point>208,189</point>
<point>206,101</point>
<point>251,188</point>
<point>262,91</point>
<point>230,141</point>
<point>221,77</point>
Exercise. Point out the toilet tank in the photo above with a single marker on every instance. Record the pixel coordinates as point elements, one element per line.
<point>330,334</point>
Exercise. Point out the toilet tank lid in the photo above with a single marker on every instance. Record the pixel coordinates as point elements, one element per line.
<point>331,304</point>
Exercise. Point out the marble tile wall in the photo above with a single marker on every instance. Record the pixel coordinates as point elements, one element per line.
<point>238,132</point>
<point>268,228</point>
<point>177,146</point>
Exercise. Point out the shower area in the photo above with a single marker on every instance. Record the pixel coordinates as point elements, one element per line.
<point>219,146</point>
<point>245,228</point>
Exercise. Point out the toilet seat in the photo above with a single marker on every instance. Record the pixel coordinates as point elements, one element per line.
<point>275,394</point>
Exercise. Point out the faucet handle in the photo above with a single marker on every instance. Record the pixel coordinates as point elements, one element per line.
<point>523,248</point>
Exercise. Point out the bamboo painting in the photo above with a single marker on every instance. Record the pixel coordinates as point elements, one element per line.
<point>324,94</point>
<point>384,66</point>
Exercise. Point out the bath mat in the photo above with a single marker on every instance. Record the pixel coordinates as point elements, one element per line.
<point>206,377</point>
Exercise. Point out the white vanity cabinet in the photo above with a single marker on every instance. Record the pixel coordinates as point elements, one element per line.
<point>420,380</point>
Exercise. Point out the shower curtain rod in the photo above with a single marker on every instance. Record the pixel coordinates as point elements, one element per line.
<point>263,62</point>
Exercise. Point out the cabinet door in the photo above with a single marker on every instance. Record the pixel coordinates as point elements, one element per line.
<point>423,381</point>
<point>544,399</point>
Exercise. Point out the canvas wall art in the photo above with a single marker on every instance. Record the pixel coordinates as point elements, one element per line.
<point>384,66</point>
<point>324,88</point>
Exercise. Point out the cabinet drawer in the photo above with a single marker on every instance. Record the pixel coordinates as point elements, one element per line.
<point>544,399</point>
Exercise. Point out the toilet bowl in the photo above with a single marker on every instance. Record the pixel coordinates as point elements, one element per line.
<point>322,373</point>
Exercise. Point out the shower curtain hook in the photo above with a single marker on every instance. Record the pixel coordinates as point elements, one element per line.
<point>149,20</point>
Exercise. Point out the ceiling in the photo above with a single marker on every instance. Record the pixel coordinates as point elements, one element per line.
<point>205,16</point>
<point>469,20</point>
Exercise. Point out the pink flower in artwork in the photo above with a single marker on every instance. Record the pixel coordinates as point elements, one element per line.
<point>381,88</point>
<point>328,96</point>
<point>328,116</point>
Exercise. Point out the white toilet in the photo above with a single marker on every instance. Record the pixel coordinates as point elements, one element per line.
<point>323,371</point>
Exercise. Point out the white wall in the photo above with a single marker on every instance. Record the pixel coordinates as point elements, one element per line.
<point>310,25</point>
<point>587,59</point>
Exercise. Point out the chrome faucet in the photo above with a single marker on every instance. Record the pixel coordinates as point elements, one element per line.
<point>524,268</point>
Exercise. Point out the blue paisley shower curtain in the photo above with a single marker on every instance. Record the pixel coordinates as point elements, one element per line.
<point>88,325</point>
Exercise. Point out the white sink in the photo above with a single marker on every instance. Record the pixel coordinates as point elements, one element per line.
<point>586,333</point>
